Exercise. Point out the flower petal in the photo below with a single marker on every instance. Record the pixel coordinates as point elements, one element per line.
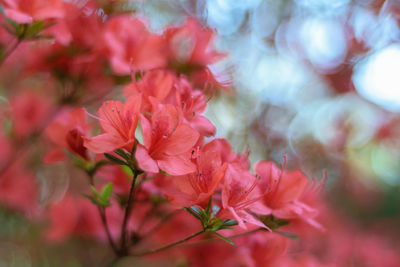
<point>145,162</point>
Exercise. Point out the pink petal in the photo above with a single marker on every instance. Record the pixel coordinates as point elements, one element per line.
<point>18,16</point>
<point>146,131</point>
<point>181,140</point>
<point>176,165</point>
<point>203,125</point>
<point>145,162</point>
<point>104,143</point>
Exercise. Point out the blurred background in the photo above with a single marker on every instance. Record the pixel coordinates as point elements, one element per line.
<point>316,80</point>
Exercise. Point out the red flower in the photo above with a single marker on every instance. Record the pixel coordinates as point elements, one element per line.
<point>197,188</point>
<point>129,44</point>
<point>167,143</point>
<point>26,11</point>
<point>240,195</point>
<point>118,122</point>
<point>284,192</point>
<point>67,131</point>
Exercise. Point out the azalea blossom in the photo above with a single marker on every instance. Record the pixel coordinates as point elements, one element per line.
<point>67,131</point>
<point>118,122</point>
<point>198,187</point>
<point>129,44</point>
<point>26,11</point>
<point>283,192</point>
<point>240,196</point>
<point>167,142</point>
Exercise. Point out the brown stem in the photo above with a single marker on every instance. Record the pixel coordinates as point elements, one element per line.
<point>102,213</point>
<point>131,197</point>
<point>151,251</point>
<point>229,237</point>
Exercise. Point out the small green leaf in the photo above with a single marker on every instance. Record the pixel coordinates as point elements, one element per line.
<point>106,193</point>
<point>273,223</point>
<point>127,170</point>
<point>193,213</point>
<point>122,154</point>
<point>92,199</point>
<point>286,234</point>
<point>229,222</point>
<point>209,207</point>
<point>164,173</point>
<point>224,238</point>
<point>94,191</point>
<point>114,159</point>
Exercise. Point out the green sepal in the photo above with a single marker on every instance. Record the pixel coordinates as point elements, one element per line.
<point>288,235</point>
<point>115,160</point>
<point>193,213</point>
<point>163,172</point>
<point>224,238</point>
<point>272,222</point>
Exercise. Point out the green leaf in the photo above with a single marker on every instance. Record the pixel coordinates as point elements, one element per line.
<point>106,193</point>
<point>229,222</point>
<point>273,223</point>
<point>122,154</point>
<point>92,199</point>
<point>114,159</point>
<point>127,170</point>
<point>224,238</point>
<point>209,207</point>
<point>164,173</point>
<point>94,191</point>
<point>193,213</point>
<point>286,234</point>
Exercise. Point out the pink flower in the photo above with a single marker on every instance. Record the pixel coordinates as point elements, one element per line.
<point>189,51</point>
<point>30,111</point>
<point>67,131</point>
<point>129,44</point>
<point>191,44</point>
<point>197,188</point>
<point>26,11</point>
<point>240,195</point>
<point>18,188</point>
<point>284,192</point>
<point>118,122</point>
<point>167,143</point>
<point>163,87</point>
<point>155,86</point>
<point>193,104</point>
<point>227,155</point>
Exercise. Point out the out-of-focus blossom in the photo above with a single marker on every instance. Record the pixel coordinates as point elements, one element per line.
<point>30,112</point>
<point>67,131</point>
<point>18,189</point>
<point>130,45</point>
<point>27,11</point>
<point>189,51</point>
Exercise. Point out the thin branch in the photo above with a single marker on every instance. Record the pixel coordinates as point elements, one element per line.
<point>151,251</point>
<point>102,213</point>
<point>229,237</point>
<point>124,249</point>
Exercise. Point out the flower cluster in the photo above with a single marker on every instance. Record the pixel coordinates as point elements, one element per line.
<point>147,167</point>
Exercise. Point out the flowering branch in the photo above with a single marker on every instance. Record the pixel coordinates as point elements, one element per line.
<point>124,248</point>
<point>151,251</point>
